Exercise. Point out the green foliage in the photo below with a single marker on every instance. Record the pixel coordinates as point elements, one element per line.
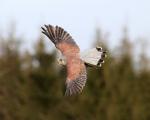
<point>32,85</point>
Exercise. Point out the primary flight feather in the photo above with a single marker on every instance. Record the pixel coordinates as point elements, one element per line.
<point>76,70</point>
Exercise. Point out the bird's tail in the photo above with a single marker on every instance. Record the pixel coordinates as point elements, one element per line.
<point>55,34</point>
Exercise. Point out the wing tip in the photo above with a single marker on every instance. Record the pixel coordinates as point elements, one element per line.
<point>76,86</point>
<point>56,33</point>
<point>73,88</point>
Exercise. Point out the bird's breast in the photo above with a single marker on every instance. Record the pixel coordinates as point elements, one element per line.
<point>74,67</point>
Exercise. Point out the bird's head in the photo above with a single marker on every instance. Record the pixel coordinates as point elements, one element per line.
<point>61,61</point>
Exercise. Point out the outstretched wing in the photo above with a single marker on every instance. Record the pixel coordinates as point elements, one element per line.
<point>76,71</point>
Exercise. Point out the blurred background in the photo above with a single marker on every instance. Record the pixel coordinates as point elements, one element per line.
<point>32,84</point>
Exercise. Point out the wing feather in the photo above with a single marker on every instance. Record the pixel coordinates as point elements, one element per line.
<point>76,86</point>
<point>76,70</point>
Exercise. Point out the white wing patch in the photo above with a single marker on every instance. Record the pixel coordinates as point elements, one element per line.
<point>93,57</point>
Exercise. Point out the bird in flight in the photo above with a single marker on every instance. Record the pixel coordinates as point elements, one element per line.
<point>75,62</point>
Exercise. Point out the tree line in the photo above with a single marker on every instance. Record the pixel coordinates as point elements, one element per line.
<point>32,84</point>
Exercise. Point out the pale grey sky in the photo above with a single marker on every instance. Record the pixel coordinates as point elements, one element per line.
<point>79,17</point>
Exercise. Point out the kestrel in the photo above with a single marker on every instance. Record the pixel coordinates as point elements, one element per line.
<point>75,62</point>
